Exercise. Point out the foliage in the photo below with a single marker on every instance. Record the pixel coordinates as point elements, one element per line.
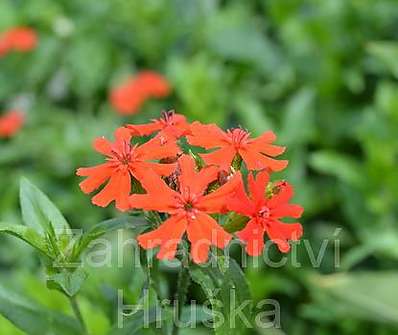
<point>321,73</point>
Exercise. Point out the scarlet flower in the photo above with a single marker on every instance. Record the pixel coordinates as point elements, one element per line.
<point>153,84</point>
<point>170,124</point>
<point>265,214</point>
<point>11,123</point>
<point>131,95</point>
<point>255,152</point>
<point>189,210</point>
<point>21,39</point>
<point>124,160</point>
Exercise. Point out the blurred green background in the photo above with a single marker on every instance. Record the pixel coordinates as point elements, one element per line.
<point>321,73</point>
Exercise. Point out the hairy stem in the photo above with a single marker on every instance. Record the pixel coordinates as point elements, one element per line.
<point>183,283</point>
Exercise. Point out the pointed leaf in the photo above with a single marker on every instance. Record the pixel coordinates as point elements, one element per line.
<point>67,281</point>
<point>364,295</point>
<point>39,212</point>
<point>27,234</point>
<point>227,290</point>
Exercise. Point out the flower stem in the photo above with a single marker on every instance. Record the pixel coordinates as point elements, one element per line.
<point>183,283</point>
<point>78,314</point>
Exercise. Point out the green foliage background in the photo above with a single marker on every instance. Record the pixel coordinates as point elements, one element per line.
<point>321,73</point>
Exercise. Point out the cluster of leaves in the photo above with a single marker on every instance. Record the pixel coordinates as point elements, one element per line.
<point>60,249</point>
<point>322,73</point>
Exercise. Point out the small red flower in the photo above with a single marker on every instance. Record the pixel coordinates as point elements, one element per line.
<point>4,46</point>
<point>170,124</point>
<point>153,84</point>
<point>22,39</point>
<point>132,94</point>
<point>189,210</point>
<point>11,123</point>
<point>124,160</point>
<point>265,214</point>
<point>255,152</point>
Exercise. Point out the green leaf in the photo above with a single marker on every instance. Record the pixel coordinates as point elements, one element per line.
<point>341,166</point>
<point>107,226</point>
<point>366,295</point>
<point>27,234</point>
<point>233,35</point>
<point>299,111</point>
<point>385,52</point>
<point>235,223</point>
<point>39,212</point>
<point>252,114</point>
<point>227,290</point>
<point>34,319</point>
<point>197,313</point>
<point>67,281</point>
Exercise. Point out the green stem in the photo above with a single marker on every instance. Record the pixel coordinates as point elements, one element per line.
<point>183,283</point>
<point>78,314</point>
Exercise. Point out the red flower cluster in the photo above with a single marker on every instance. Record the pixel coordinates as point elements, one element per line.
<point>132,94</point>
<point>20,39</point>
<point>188,193</point>
<point>10,123</point>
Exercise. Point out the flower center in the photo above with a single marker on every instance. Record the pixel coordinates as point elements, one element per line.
<point>264,212</point>
<point>124,155</point>
<point>187,201</point>
<point>238,136</point>
<point>167,118</point>
<point>188,206</point>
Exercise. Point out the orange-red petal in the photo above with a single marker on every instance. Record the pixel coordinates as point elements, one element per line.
<point>214,232</point>
<point>96,176</point>
<point>157,148</point>
<point>221,157</point>
<point>258,185</point>
<point>117,189</point>
<point>239,202</point>
<point>163,169</point>
<point>188,172</point>
<point>167,236</point>
<point>160,197</point>
<point>144,129</point>
<point>256,161</point>
<point>288,210</point>
<point>281,233</point>
<point>265,138</point>
<point>216,202</point>
<point>284,194</point>
<point>253,236</point>
<point>102,145</point>
<point>263,144</point>
<point>202,232</point>
<point>122,135</point>
<point>207,136</point>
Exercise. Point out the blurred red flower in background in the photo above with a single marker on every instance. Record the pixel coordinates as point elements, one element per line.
<point>132,94</point>
<point>265,214</point>
<point>11,123</point>
<point>255,152</point>
<point>20,39</point>
<point>124,161</point>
